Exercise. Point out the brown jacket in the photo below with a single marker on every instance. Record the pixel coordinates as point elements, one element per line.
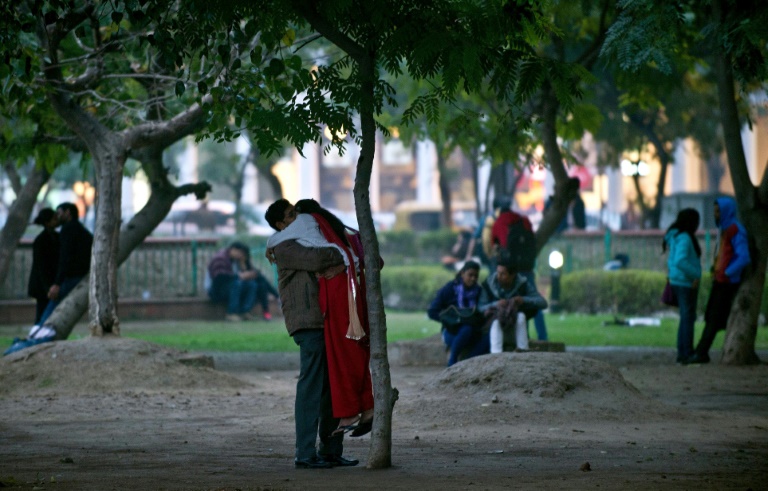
<point>296,268</point>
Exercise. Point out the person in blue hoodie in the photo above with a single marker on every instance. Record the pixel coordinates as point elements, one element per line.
<point>684,266</point>
<point>731,258</point>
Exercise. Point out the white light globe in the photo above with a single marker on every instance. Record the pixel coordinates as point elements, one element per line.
<point>555,260</point>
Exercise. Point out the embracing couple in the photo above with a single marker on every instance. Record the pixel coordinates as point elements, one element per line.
<point>322,289</point>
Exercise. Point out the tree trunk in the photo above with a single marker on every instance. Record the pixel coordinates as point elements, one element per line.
<point>380,455</point>
<point>265,169</point>
<point>109,156</point>
<point>739,347</point>
<point>18,217</point>
<point>445,188</point>
<point>651,215</point>
<point>740,335</point>
<point>163,195</point>
<point>566,188</point>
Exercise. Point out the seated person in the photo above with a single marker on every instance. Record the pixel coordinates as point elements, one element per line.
<point>510,299</point>
<point>462,292</point>
<point>233,281</point>
<point>620,261</point>
<point>263,290</point>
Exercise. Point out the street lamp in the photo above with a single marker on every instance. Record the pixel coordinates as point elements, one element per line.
<point>634,166</point>
<point>556,265</point>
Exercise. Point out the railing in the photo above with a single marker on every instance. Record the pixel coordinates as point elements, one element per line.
<point>591,250</point>
<point>167,268</point>
<point>159,268</point>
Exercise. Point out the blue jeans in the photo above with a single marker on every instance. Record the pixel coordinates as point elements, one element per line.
<point>66,286</point>
<point>466,337</point>
<point>687,299</point>
<point>538,319</point>
<point>239,295</point>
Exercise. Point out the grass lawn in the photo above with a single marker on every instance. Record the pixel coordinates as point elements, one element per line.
<point>573,330</point>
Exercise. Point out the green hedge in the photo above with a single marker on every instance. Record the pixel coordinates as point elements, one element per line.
<point>407,247</point>
<point>412,288</point>
<point>627,292</point>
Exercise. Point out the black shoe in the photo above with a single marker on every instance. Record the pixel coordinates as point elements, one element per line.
<point>698,358</point>
<point>363,428</point>
<point>339,461</point>
<point>312,463</point>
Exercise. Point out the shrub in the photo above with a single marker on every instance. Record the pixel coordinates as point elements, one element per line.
<point>412,288</point>
<point>631,292</point>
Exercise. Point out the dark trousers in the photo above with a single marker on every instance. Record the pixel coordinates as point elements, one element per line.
<point>538,319</point>
<point>313,410</point>
<point>263,289</point>
<point>716,316</point>
<point>687,299</point>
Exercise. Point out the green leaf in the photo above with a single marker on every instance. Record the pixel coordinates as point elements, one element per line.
<point>275,68</point>
<point>117,17</point>
<point>202,87</point>
<point>180,88</point>
<point>289,37</point>
<point>256,55</point>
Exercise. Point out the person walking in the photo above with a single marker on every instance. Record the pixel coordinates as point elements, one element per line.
<point>684,274</point>
<point>731,258</point>
<point>74,257</point>
<point>297,270</point>
<point>45,261</point>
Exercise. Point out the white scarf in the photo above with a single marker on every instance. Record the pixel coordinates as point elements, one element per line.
<point>306,232</point>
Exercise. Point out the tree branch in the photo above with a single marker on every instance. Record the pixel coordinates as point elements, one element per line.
<point>13,176</point>
<point>308,10</point>
<point>157,133</point>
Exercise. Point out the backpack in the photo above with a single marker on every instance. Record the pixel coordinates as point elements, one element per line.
<point>521,244</point>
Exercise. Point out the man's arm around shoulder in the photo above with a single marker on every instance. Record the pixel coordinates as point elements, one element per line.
<point>292,255</point>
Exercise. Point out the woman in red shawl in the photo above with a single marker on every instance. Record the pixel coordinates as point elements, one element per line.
<point>347,344</point>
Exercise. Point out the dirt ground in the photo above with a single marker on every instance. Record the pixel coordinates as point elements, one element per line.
<point>112,413</point>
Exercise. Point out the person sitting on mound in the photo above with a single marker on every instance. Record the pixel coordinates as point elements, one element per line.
<point>510,299</point>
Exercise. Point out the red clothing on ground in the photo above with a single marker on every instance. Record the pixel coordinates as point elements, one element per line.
<point>348,360</point>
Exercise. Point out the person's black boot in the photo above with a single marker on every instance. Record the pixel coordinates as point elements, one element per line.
<point>697,358</point>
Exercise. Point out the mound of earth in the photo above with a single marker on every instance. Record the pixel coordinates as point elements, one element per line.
<point>537,386</point>
<point>108,364</point>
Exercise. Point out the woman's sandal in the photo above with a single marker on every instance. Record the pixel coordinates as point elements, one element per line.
<point>362,428</point>
<point>341,429</point>
<point>345,429</point>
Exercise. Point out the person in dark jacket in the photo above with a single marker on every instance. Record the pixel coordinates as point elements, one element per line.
<point>731,258</point>
<point>511,299</point>
<point>74,256</point>
<point>462,292</point>
<point>45,260</point>
<point>233,281</point>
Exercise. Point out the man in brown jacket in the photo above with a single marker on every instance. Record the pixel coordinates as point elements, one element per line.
<point>297,270</point>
